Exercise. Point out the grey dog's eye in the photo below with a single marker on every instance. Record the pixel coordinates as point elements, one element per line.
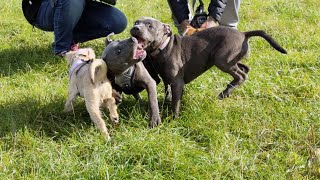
<point>118,51</point>
<point>136,23</point>
<point>150,26</point>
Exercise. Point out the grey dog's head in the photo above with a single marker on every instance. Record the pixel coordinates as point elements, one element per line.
<point>120,55</point>
<point>150,32</point>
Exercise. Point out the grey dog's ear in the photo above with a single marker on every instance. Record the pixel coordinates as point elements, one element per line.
<point>108,40</point>
<point>167,29</point>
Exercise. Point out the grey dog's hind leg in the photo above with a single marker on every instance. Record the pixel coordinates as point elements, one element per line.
<point>243,67</point>
<point>238,78</point>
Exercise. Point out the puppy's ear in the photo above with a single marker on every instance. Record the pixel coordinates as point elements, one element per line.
<point>167,29</point>
<point>108,39</point>
<point>70,57</point>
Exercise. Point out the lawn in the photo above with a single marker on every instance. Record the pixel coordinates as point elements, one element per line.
<point>267,129</point>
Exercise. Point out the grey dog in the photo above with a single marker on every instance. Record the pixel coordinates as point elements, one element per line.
<point>180,60</point>
<point>129,75</point>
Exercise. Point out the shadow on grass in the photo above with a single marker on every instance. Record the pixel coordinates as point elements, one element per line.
<point>17,59</point>
<point>48,118</point>
<point>50,121</point>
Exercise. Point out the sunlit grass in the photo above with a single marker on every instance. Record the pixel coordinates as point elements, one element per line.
<point>260,132</point>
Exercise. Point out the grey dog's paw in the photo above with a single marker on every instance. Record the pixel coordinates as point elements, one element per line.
<point>117,96</point>
<point>223,95</point>
<point>155,121</point>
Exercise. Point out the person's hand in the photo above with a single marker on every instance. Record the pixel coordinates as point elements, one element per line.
<point>210,22</point>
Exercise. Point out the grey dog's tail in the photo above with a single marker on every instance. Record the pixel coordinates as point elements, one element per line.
<point>271,41</point>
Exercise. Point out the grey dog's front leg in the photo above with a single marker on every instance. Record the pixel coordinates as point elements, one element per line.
<point>155,119</point>
<point>143,77</point>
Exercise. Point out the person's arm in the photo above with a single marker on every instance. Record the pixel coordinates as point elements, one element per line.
<point>216,8</point>
<point>179,9</point>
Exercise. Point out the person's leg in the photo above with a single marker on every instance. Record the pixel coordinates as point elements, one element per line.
<point>230,14</point>
<point>60,18</point>
<point>66,16</point>
<point>99,20</point>
<point>181,27</point>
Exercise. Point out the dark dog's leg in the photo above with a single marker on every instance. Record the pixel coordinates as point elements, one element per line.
<point>239,77</point>
<point>117,96</point>
<point>137,96</point>
<point>177,91</point>
<point>243,67</point>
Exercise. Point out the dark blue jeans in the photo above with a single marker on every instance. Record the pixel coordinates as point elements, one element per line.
<point>74,21</point>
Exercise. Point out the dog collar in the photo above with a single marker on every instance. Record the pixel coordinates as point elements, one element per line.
<point>77,63</point>
<point>162,46</point>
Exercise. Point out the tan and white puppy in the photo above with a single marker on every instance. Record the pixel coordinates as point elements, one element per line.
<point>88,78</point>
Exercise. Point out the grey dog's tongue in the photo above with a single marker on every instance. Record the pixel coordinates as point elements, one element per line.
<point>138,53</point>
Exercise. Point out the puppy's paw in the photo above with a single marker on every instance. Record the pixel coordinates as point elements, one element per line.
<point>106,136</point>
<point>115,119</point>
<point>67,109</point>
<point>155,121</point>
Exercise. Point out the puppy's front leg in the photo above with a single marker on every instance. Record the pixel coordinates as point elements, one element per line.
<point>177,91</point>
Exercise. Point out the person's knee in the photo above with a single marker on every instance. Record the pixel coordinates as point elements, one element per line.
<point>118,23</point>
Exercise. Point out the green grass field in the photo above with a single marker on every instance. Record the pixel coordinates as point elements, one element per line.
<point>263,131</point>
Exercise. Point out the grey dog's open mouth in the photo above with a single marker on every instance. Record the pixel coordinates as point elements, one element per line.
<point>141,42</point>
<point>139,52</point>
